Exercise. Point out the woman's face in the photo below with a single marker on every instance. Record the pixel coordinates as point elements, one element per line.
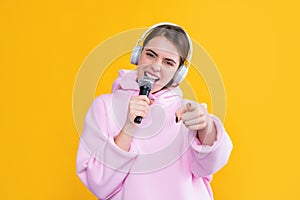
<point>160,60</point>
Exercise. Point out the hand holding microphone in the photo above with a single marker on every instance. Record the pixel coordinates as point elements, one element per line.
<point>146,84</point>
<point>139,105</point>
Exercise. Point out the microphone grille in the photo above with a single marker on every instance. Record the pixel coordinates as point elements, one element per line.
<point>147,82</point>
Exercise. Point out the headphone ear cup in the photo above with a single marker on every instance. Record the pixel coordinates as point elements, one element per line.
<point>135,55</point>
<point>180,74</point>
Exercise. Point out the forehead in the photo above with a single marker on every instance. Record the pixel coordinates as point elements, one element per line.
<point>162,45</point>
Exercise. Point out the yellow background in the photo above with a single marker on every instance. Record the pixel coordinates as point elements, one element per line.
<point>255,45</point>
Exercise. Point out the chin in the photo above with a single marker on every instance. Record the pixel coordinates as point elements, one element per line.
<point>156,88</point>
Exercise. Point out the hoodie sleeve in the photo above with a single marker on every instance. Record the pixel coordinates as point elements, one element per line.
<point>210,159</point>
<point>101,165</point>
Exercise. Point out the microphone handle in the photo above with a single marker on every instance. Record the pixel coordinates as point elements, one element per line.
<point>143,91</point>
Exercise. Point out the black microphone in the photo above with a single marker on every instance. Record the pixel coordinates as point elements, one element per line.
<point>146,84</point>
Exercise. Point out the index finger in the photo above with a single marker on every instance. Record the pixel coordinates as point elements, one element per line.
<point>144,97</point>
<point>186,107</point>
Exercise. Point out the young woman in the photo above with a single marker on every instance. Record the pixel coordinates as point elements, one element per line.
<point>174,151</point>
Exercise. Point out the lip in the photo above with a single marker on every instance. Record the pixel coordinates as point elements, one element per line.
<point>157,77</point>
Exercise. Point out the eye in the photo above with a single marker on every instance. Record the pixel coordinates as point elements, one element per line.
<point>151,55</point>
<point>169,63</point>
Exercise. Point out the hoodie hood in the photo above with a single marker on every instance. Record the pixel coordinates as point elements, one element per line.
<point>127,81</point>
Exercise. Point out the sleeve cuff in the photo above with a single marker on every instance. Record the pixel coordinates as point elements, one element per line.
<point>116,158</point>
<point>132,150</point>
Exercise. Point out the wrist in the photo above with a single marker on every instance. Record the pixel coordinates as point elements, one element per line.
<point>128,129</point>
<point>124,138</point>
<point>207,130</point>
<point>208,135</point>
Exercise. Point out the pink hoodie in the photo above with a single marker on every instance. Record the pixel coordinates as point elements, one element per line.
<point>165,161</point>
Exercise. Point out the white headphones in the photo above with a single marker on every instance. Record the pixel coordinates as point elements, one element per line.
<point>182,70</point>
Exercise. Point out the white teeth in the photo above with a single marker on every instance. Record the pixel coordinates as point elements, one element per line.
<point>153,77</point>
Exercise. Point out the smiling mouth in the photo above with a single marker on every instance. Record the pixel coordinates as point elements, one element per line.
<point>155,78</point>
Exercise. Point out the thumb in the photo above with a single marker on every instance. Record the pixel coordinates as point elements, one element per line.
<point>151,101</point>
<point>186,107</point>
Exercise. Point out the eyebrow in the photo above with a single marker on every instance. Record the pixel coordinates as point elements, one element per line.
<point>168,59</point>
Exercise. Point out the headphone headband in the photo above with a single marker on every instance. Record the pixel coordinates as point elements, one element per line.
<point>189,57</point>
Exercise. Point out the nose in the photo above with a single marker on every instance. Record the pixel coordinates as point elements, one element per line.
<point>156,66</point>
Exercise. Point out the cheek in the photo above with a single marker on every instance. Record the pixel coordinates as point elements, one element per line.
<point>142,65</point>
<point>140,74</point>
<point>142,60</point>
<point>168,74</point>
